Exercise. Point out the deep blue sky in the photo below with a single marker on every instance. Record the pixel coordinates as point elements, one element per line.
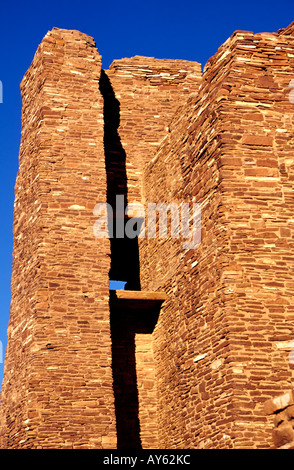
<point>158,28</point>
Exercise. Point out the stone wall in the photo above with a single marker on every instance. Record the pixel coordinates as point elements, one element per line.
<point>140,96</point>
<point>219,340</point>
<point>66,368</point>
<point>84,370</point>
<point>57,389</point>
<point>148,91</point>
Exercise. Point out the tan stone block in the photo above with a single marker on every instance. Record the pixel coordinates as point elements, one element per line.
<point>283,434</point>
<point>290,412</point>
<point>253,116</point>
<point>280,417</point>
<point>257,140</point>
<point>261,172</point>
<point>279,403</point>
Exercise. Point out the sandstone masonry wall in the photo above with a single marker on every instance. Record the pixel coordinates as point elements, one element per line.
<point>62,386</point>
<point>140,96</point>
<point>149,91</point>
<point>81,370</point>
<point>57,389</point>
<point>222,340</point>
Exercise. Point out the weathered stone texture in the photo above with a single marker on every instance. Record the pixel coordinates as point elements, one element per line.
<point>282,407</point>
<point>149,91</point>
<point>231,299</point>
<point>87,369</point>
<point>57,389</point>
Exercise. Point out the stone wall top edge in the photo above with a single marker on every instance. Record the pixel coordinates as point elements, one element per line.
<point>289,30</point>
<point>226,55</point>
<point>61,37</point>
<point>70,32</point>
<point>141,61</point>
<point>236,36</point>
<point>240,36</point>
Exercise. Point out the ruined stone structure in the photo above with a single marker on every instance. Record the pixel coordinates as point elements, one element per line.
<point>189,353</point>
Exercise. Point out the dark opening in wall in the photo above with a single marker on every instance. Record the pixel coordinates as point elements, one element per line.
<point>124,251</point>
<point>124,274</point>
<point>132,321</point>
